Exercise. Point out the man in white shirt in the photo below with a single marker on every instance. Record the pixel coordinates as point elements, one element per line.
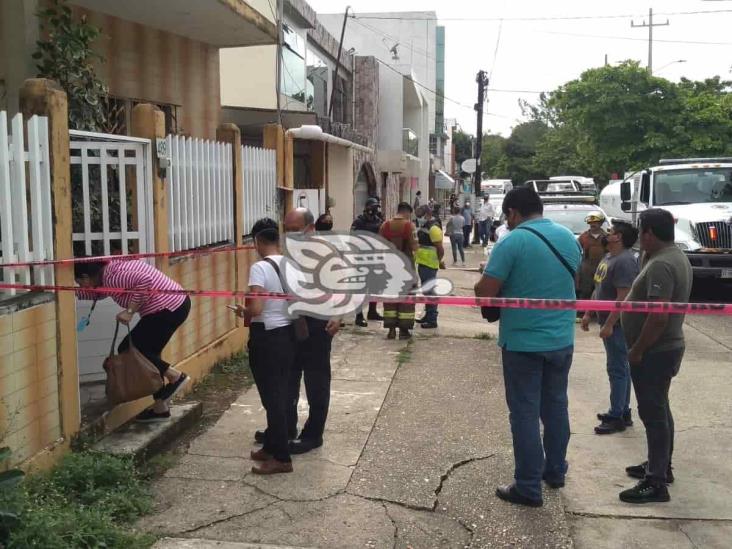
<point>485,216</point>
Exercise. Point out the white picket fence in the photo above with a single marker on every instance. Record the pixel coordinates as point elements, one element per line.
<point>200,190</point>
<point>259,198</point>
<point>26,231</point>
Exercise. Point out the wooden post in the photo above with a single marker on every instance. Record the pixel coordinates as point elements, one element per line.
<point>274,138</point>
<point>229,133</point>
<point>46,98</point>
<point>149,122</point>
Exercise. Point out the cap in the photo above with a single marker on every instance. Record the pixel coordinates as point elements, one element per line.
<point>595,217</point>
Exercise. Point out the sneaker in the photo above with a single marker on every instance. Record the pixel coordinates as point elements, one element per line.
<point>151,416</point>
<point>646,492</point>
<point>639,471</point>
<point>609,426</point>
<point>172,389</point>
<point>627,418</point>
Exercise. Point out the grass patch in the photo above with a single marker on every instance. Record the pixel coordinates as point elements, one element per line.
<point>405,355</point>
<point>87,500</point>
<point>483,336</point>
<point>231,371</point>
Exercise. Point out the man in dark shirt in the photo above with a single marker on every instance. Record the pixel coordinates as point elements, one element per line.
<point>613,278</point>
<point>655,349</point>
<point>370,221</point>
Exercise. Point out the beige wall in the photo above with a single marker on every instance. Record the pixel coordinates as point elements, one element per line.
<point>340,185</point>
<point>265,7</point>
<point>249,77</point>
<point>147,64</point>
<point>29,387</point>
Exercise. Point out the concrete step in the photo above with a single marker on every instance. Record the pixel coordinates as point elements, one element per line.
<point>145,439</point>
<point>180,543</point>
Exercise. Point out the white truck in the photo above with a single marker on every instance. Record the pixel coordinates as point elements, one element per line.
<point>698,192</point>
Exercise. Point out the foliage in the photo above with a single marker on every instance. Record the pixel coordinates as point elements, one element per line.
<point>617,118</point>
<point>463,148</point>
<point>85,501</point>
<point>65,55</point>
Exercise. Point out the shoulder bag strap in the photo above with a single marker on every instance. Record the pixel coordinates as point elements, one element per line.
<point>114,338</point>
<point>277,270</point>
<point>559,256</point>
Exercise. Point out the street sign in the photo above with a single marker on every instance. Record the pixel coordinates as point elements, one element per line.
<point>469,165</point>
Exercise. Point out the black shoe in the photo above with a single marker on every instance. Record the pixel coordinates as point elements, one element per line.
<point>429,325</point>
<point>151,416</point>
<point>609,426</point>
<point>172,389</point>
<point>373,315</point>
<point>304,445</point>
<point>391,334</point>
<point>361,321</point>
<point>646,492</point>
<point>639,471</point>
<point>421,320</point>
<point>508,493</point>
<point>405,334</point>
<point>627,418</point>
<point>259,437</point>
<point>556,484</point>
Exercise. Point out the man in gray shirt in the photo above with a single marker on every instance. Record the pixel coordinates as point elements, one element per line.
<point>613,278</point>
<point>655,349</point>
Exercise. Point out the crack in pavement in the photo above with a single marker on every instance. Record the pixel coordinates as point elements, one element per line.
<point>225,519</point>
<point>586,514</point>
<point>393,523</point>
<point>454,467</point>
<point>681,529</point>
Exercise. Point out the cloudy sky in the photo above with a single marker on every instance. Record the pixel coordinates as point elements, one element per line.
<point>540,54</point>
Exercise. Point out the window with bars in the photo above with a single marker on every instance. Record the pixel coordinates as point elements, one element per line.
<point>119,115</point>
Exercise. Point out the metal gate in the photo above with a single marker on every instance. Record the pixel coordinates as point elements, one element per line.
<point>111,186</point>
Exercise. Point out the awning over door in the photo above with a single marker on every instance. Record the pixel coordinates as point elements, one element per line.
<point>444,181</point>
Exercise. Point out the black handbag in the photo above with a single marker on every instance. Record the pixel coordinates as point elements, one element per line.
<point>493,314</point>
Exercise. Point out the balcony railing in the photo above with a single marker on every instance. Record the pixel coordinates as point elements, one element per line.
<point>410,142</point>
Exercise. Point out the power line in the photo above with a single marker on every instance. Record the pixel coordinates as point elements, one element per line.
<point>634,39</point>
<point>546,18</point>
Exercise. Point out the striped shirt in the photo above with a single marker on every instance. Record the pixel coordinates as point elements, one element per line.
<point>137,275</point>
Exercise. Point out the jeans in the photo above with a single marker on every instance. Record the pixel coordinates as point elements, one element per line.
<point>536,388</point>
<point>457,242</point>
<point>484,231</point>
<point>153,332</point>
<point>312,362</point>
<point>652,381</point>
<point>425,275</point>
<point>271,354</point>
<point>467,228</point>
<point>618,371</point>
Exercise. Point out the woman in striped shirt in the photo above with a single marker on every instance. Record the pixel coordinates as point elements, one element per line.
<point>160,316</point>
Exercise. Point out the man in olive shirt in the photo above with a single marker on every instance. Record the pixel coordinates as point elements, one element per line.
<point>655,349</point>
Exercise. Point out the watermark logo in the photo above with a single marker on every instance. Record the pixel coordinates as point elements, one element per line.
<point>334,274</point>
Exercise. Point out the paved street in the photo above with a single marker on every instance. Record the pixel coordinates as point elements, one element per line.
<point>418,438</point>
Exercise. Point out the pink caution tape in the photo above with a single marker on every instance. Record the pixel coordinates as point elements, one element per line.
<point>454,301</point>
<point>125,257</point>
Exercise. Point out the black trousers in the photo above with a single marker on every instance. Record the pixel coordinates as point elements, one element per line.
<point>153,332</point>
<point>271,353</point>
<point>652,381</point>
<point>312,362</point>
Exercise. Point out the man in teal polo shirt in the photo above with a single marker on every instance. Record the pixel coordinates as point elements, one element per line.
<point>537,259</point>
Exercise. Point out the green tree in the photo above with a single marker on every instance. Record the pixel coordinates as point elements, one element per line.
<point>520,151</point>
<point>65,55</point>
<point>463,148</point>
<point>493,159</point>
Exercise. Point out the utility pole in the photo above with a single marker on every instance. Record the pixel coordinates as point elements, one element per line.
<point>650,26</point>
<point>338,63</point>
<point>280,37</point>
<point>482,80</point>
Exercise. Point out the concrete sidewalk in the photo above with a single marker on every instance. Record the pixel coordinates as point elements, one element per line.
<point>418,439</point>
